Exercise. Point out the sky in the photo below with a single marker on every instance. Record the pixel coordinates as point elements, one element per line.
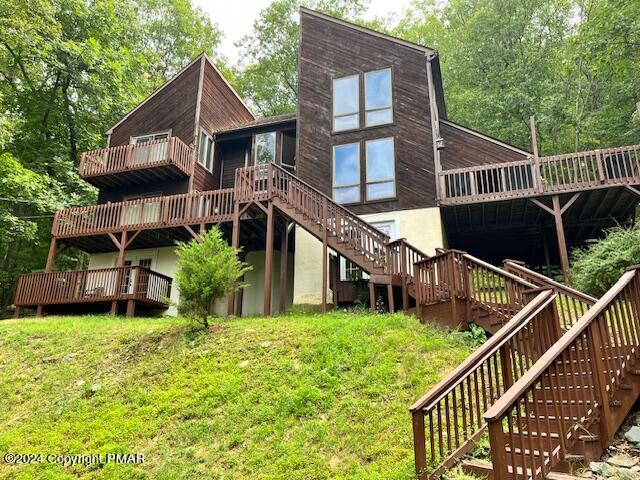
<point>235,17</point>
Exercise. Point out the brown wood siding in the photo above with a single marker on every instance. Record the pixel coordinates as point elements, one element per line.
<point>174,107</point>
<point>233,156</point>
<point>219,106</point>
<point>464,149</point>
<point>204,180</point>
<point>328,51</point>
<point>165,188</point>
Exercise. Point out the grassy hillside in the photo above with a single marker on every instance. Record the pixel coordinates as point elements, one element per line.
<point>294,397</point>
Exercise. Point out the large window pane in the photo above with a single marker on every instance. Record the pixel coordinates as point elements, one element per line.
<point>380,169</point>
<point>378,97</point>
<point>346,103</point>
<point>346,173</point>
<point>265,147</point>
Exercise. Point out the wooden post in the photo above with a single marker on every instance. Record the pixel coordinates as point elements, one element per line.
<point>536,154</point>
<point>506,366</point>
<point>419,445</point>
<point>235,242</point>
<point>498,450</point>
<point>268,262</point>
<point>392,307</point>
<point>51,258</point>
<point>16,313</point>
<point>284,247</point>
<point>596,346</point>
<point>324,256</point>
<point>131,308</point>
<point>120,275</point>
<point>372,297</point>
<point>405,276</point>
<point>336,280</point>
<point>562,243</point>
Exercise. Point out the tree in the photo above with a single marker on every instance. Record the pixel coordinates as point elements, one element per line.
<point>69,69</point>
<point>268,75</point>
<point>600,264</point>
<point>208,270</point>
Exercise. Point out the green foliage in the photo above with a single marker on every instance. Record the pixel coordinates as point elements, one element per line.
<point>598,266</point>
<point>207,271</point>
<point>69,69</point>
<point>268,76</point>
<point>574,65</point>
<point>475,336</point>
<point>294,396</point>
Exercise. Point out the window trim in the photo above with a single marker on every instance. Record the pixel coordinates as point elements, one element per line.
<point>379,109</point>
<point>357,113</point>
<point>393,165</point>
<point>133,138</point>
<point>333,173</point>
<point>213,144</point>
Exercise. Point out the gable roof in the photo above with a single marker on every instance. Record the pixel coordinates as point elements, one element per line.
<point>369,31</point>
<point>485,137</point>
<point>203,57</point>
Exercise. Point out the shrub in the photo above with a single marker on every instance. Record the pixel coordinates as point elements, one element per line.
<point>207,271</point>
<point>598,266</point>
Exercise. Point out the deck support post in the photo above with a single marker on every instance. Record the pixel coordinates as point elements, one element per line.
<point>16,313</point>
<point>372,297</point>
<point>122,245</point>
<point>268,262</point>
<point>392,307</point>
<point>51,258</point>
<point>235,241</point>
<point>284,248</point>
<point>131,308</point>
<point>325,275</point>
<point>562,242</point>
<point>336,280</point>
<point>557,211</point>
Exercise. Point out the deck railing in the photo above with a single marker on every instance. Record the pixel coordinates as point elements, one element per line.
<point>95,285</point>
<point>270,181</point>
<point>552,174</point>
<point>535,423</point>
<point>104,161</point>
<point>146,213</point>
<point>448,421</point>
<point>571,303</point>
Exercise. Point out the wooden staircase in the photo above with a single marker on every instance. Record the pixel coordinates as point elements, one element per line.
<point>550,386</point>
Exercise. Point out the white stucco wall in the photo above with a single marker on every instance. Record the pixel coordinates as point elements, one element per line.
<point>421,227</point>
<point>164,260</point>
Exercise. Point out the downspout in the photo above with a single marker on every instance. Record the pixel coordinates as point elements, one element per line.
<point>437,140</point>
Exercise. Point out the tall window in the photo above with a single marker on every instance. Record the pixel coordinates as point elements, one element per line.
<point>381,178</point>
<point>377,97</point>
<point>346,103</point>
<point>265,148</point>
<point>207,149</point>
<point>346,173</point>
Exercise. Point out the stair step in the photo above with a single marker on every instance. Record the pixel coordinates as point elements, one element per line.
<point>562,476</point>
<point>588,438</point>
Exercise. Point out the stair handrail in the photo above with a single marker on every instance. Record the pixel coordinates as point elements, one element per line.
<point>599,330</point>
<point>500,271</point>
<point>513,266</point>
<point>498,346</point>
<point>346,212</point>
<point>572,303</point>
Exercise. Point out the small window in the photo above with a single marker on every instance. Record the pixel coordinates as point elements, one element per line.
<point>381,179</point>
<point>346,173</point>
<point>378,97</point>
<point>265,148</point>
<point>207,151</point>
<point>149,138</point>
<point>346,103</point>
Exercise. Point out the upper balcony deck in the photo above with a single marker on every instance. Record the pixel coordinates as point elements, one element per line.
<point>571,172</point>
<point>122,165</point>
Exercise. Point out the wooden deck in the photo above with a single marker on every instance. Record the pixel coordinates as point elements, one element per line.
<point>132,164</point>
<point>135,285</point>
<point>550,175</point>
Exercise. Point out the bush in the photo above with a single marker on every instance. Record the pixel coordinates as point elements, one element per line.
<point>207,271</point>
<point>598,266</point>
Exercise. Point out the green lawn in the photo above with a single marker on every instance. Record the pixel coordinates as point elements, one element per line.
<point>293,397</point>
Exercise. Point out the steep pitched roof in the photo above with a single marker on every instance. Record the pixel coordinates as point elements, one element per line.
<point>485,137</point>
<point>369,31</point>
<point>202,57</point>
